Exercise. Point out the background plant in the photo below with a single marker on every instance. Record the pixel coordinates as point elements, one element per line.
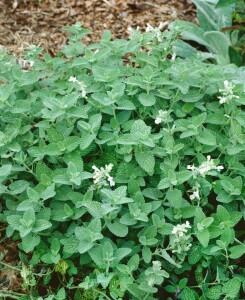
<point>122,170</point>
<point>216,32</point>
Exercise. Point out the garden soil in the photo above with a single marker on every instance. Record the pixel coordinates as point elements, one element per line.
<point>40,22</point>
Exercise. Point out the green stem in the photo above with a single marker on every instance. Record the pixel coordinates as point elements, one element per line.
<point>8,296</point>
<point>9,266</point>
<point>146,296</point>
<point>200,286</point>
<point>103,294</point>
<point>239,242</point>
<point>11,294</point>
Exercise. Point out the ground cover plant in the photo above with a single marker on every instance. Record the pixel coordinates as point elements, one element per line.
<point>122,170</point>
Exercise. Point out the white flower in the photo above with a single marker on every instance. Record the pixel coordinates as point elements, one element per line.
<point>111,181</point>
<point>83,88</point>
<point>80,83</point>
<point>222,99</point>
<point>227,93</point>
<point>163,116</point>
<point>227,85</point>
<point>204,168</point>
<point>157,264</point>
<point>156,30</point>
<point>195,195</point>
<point>73,79</point>
<point>173,56</point>
<point>130,29</point>
<point>158,120</point>
<point>181,228</point>
<point>101,176</point>
<point>180,241</point>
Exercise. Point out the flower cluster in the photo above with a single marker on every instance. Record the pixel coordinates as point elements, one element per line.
<point>80,83</point>
<point>130,29</point>
<point>227,92</point>
<point>195,193</point>
<point>101,176</point>
<point>156,31</point>
<point>163,117</point>
<point>204,168</point>
<point>180,241</point>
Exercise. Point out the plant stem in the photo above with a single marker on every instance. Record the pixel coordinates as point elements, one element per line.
<point>12,295</point>
<point>9,266</point>
<point>9,296</point>
<point>239,242</point>
<point>103,294</point>
<point>145,298</point>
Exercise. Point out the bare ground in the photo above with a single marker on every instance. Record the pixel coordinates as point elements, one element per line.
<point>24,22</point>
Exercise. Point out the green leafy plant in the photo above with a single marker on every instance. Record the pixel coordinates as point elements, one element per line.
<point>122,169</point>
<point>214,32</point>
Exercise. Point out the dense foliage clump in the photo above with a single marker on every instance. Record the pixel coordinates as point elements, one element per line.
<point>122,169</point>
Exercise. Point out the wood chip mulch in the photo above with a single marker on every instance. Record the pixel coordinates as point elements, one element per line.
<point>40,22</point>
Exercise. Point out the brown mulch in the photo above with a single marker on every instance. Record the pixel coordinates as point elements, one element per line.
<point>10,279</point>
<point>40,22</point>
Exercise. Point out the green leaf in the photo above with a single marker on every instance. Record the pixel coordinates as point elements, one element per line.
<point>5,170</point>
<point>190,31</point>
<point>86,139</point>
<point>127,139</point>
<point>18,187</point>
<point>214,292</point>
<point>175,198</point>
<point>152,193</point>
<point>117,228</point>
<point>134,290</point>
<point>145,159</point>
<point>222,3</point>
<point>237,251</point>
<point>140,129</point>
<point>97,254</point>
<point>163,184</point>
<point>183,176</point>
<point>124,104</point>
<point>29,216</point>
<point>206,137</point>
<point>194,255</point>
<point>231,288</point>
<point>134,261</point>
<point>206,15</point>
<point>147,254</point>
<point>29,242</point>
<point>168,258</point>
<point>94,208</point>
<point>14,221</point>
<point>41,225</point>
<point>203,237</point>
<point>49,192</point>
<point>61,295</point>
<point>187,294</point>
<point>70,245</point>
<point>32,194</point>
<point>218,43</point>
<point>121,253</point>
<point>147,99</point>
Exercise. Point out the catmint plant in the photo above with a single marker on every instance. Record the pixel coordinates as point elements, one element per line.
<point>124,174</point>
